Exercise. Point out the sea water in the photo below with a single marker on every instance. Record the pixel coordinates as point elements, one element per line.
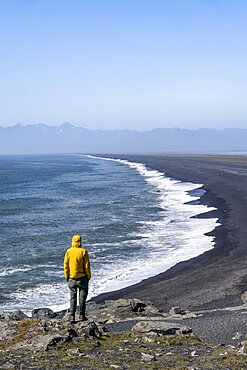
<point>134,221</point>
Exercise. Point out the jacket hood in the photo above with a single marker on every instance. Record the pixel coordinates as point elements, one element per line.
<point>76,241</point>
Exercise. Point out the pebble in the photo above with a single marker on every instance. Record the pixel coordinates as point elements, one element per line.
<point>149,340</point>
<point>241,350</point>
<point>238,335</point>
<point>147,358</point>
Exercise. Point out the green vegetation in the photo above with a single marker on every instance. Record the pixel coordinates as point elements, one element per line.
<point>119,350</point>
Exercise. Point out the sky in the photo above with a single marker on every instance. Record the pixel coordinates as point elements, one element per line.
<point>134,64</point>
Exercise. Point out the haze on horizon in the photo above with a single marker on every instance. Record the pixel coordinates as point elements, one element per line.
<point>135,64</point>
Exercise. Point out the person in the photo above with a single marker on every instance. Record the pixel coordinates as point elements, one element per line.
<point>77,273</point>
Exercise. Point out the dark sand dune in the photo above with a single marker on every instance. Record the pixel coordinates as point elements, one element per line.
<point>218,277</point>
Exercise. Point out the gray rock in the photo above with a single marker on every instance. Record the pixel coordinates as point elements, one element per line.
<point>16,315</point>
<point>134,304</point>
<point>244,297</point>
<point>51,341</point>
<point>137,306</point>
<point>241,351</point>
<point>184,330</point>
<point>177,311</point>
<point>237,336</point>
<point>147,357</point>
<point>161,327</point>
<point>66,317</point>
<point>92,330</point>
<point>119,310</point>
<point>76,351</point>
<point>117,303</point>
<point>151,309</point>
<point>43,313</point>
<point>69,334</point>
<point>43,342</point>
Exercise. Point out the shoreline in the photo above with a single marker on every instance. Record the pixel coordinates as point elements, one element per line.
<point>216,278</point>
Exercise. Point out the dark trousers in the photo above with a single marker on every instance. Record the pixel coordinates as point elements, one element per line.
<point>80,284</point>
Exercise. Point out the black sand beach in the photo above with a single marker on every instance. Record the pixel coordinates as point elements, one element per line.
<point>217,278</point>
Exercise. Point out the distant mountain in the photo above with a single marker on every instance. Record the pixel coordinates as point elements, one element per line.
<point>67,138</point>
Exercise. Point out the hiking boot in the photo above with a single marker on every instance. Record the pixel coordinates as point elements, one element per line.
<point>83,318</point>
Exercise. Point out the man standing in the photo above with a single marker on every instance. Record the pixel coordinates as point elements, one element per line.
<point>77,273</point>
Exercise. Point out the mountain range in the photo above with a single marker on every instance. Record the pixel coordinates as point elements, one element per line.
<point>67,138</point>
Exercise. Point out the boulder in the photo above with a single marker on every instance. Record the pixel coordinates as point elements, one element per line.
<point>43,313</point>
<point>45,342</point>
<point>147,357</point>
<point>54,341</point>
<point>177,311</point>
<point>137,306</point>
<point>117,303</point>
<point>161,327</point>
<point>92,330</point>
<point>16,315</point>
<point>152,309</point>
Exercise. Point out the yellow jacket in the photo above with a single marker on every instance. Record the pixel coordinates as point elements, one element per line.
<point>76,261</point>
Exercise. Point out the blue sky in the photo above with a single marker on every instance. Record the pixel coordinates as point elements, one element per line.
<point>136,64</point>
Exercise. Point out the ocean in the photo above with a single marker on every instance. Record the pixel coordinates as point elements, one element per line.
<point>134,221</point>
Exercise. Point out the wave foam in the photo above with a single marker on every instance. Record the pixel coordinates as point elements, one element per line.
<point>176,237</point>
<point>13,270</point>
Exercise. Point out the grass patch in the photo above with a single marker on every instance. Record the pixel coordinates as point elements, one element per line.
<point>122,349</point>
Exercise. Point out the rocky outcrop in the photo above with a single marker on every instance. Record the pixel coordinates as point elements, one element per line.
<point>46,329</point>
<point>119,334</point>
<point>161,327</point>
<point>43,313</point>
